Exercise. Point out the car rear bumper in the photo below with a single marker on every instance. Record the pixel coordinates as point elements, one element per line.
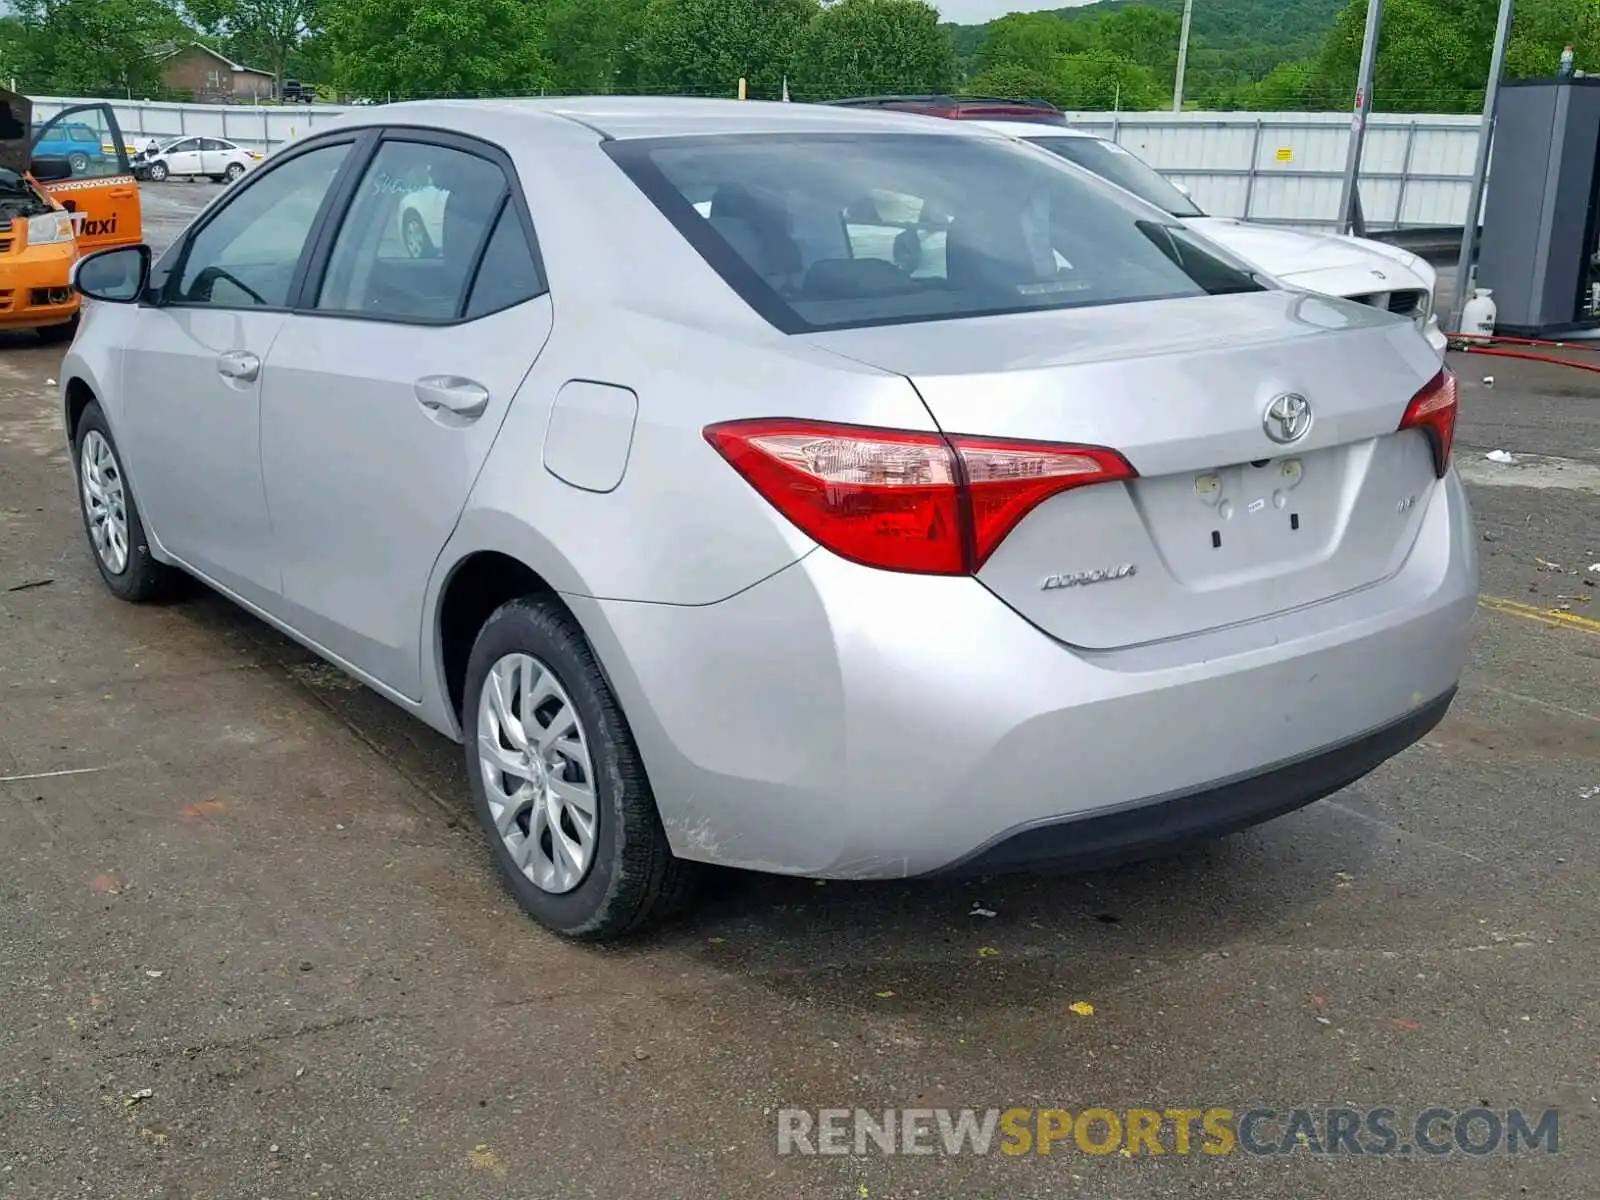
<point>841,722</point>
<point>1216,809</point>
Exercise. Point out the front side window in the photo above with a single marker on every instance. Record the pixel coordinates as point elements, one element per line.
<point>824,231</point>
<point>246,255</point>
<point>414,233</point>
<point>1110,161</point>
<point>184,146</point>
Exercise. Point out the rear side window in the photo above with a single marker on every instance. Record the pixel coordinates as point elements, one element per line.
<point>508,274</point>
<point>1110,161</point>
<point>828,231</point>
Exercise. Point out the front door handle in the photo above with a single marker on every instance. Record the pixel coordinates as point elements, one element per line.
<point>238,364</point>
<point>452,394</point>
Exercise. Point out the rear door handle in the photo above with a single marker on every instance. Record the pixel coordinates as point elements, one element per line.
<point>238,364</point>
<point>452,394</point>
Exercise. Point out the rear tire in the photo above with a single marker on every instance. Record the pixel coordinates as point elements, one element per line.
<point>111,516</point>
<point>613,872</point>
<point>234,171</point>
<point>78,161</point>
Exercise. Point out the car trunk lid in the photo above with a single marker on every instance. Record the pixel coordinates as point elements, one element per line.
<point>1224,524</point>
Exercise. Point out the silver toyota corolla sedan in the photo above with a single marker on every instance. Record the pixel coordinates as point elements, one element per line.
<point>818,491</point>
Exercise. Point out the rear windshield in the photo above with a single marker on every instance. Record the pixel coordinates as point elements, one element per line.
<point>828,231</point>
<point>1110,161</point>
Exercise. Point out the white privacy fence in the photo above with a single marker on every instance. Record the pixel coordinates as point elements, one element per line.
<point>263,127</point>
<point>1289,167</point>
<point>1279,167</point>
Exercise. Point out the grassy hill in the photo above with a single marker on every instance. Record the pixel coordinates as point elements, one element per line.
<point>1229,38</point>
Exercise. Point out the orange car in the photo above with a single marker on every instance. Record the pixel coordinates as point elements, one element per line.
<point>54,208</point>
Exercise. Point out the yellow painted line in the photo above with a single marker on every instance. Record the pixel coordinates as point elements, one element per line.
<point>1547,616</point>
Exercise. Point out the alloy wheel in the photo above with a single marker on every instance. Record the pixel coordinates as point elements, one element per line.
<point>104,501</point>
<point>537,773</point>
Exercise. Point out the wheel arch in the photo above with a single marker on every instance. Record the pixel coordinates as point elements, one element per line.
<point>76,397</point>
<point>491,559</point>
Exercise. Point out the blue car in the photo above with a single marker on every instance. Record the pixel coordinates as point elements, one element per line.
<point>74,141</point>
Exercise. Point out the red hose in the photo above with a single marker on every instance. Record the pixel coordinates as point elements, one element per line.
<point>1523,354</point>
<point>1479,339</point>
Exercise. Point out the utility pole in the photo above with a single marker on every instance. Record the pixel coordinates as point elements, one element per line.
<point>1183,57</point>
<point>1358,118</point>
<point>1467,264</point>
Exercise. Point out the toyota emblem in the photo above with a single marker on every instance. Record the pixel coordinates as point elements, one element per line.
<point>1288,418</point>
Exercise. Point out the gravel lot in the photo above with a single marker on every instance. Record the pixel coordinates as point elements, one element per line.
<point>251,944</point>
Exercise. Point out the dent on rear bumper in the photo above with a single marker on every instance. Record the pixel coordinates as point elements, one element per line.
<point>841,722</point>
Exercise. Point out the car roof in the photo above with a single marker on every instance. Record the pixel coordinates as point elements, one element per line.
<point>627,117</point>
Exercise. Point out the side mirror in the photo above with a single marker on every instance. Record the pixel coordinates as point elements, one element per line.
<point>117,276</point>
<point>50,169</point>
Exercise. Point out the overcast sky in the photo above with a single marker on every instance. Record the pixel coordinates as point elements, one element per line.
<point>975,12</point>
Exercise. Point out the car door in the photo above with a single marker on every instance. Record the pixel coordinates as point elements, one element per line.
<point>101,188</point>
<point>385,390</point>
<point>193,370</point>
<point>215,155</point>
<point>183,158</point>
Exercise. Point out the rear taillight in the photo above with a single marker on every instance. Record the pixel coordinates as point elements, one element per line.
<point>1433,410</point>
<point>904,501</point>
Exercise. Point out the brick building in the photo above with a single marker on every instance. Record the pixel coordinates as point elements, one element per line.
<point>210,78</point>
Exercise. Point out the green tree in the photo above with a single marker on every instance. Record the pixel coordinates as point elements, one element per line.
<point>592,45</point>
<point>1543,27</point>
<point>1033,41</point>
<point>872,47</point>
<point>266,31</point>
<point>1014,83</point>
<point>92,47</point>
<point>1097,80</point>
<point>1433,56</point>
<point>1287,88</point>
<point>704,47</point>
<point>418,48</point>
<point>1145,36</point>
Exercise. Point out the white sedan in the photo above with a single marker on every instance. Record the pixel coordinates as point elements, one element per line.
<point>421,218</point>
<point>1361,269</point>
<point>194,157</point>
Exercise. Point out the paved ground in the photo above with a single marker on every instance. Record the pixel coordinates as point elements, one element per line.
<point>251,946</point>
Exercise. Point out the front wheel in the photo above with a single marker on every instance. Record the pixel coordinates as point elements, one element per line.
<point>78,161</point>
<point>158,172</point>
<point>558,783</point>
<point>111,516</point>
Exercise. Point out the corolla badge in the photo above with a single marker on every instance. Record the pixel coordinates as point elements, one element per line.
<point>1085,578</point>
<point>1288,418</point>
